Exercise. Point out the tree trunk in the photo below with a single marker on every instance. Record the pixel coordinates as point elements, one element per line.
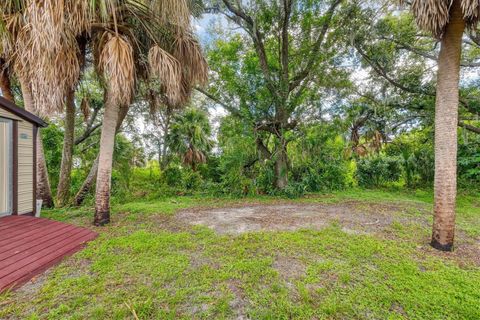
<point>92,175</point>
<point>44,191</point>
<point>104,174</point>
<point>281,166</point>
<point>5,84</point>
<point>63,189</point>
<point>165,159</point>
<point>160,157</point>
<point>43,183</point>
<point>87,184</point>
<point>446,120</point>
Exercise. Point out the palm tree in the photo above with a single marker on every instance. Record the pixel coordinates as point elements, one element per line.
<point>40,39</point>
<point>190,137</point>
<point>158,32</point>
<point>5,81</point>
<point>447,21</point>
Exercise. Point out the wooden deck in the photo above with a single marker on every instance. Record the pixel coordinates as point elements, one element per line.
<point>29,246</point>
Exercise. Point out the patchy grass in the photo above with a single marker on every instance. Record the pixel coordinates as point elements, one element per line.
<point>145,264</point>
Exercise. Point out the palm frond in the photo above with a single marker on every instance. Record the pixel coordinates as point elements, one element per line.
<point>50,72</point>
<point>167,69</point>
<point>188,51</point>
<point>85,108</point>
<point>79,15</point>
<point>471,12</point>
<point>118,67</point>
<point>172,12</point>
<point>432,15</point>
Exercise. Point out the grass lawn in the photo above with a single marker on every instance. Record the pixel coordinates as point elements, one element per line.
<point>147,264</point>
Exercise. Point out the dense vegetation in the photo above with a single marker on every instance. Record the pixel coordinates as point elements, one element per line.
<point>321,162</point>
<point>361,116</point>
<point>326,133</point>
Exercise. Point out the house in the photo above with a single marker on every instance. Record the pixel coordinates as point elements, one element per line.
<point>18,137</point>
<point>28,245</point>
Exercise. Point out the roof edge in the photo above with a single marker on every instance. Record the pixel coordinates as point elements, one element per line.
<point>22,113</point>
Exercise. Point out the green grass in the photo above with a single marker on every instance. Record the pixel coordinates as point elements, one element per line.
<point>141,264</point>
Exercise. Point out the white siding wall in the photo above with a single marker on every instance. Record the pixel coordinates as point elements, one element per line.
<point>25,167</point>
<point>8,115</point>
<point>5,168</point>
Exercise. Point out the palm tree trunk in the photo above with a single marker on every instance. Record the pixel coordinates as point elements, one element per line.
<point>87,184</point>
<point>5,84</point>
<point>92,175</point>
<point>63,189</point>
<point>104,174</point>
<point>44,191</point>
<point>43,183</point>
<point>446,119</point>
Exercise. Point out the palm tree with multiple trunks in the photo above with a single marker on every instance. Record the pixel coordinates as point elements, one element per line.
<point>447,21</point>
<point>160,34</point>
<point>131,40</point>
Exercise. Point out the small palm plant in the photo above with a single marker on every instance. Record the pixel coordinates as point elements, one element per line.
<point>190,137</point>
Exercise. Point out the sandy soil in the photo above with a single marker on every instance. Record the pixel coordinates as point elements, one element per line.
<point>355,217</point>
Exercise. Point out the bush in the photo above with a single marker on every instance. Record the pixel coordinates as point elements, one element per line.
<point>323,177</point>
<point>192,180</point>
<point>294,190</point>
<point>469,164</point>
<point>234,182</point>
<point>265,181</point>
<point>378,170</point>
<point>173,176</point>
<point>418,161</point>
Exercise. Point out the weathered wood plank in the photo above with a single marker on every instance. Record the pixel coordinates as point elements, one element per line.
<point>29,246</point>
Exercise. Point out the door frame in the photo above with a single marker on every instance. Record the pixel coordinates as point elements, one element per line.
<point>10,165</point>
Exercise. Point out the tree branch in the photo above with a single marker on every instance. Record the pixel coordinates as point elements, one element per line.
<point>297,80</point>
<point>262,149</point>
<point>469,127</point>
<point>379,70</point>
<point>87,134</point>
<point>90,127</point>
<point>227,107</point>
<point>427,55</point>
<point>284,53</point>
<point>258,42</point>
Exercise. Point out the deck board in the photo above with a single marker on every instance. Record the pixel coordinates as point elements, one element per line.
<point>29,246</point>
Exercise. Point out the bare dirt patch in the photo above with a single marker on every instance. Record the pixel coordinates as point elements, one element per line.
<point>353,216</point>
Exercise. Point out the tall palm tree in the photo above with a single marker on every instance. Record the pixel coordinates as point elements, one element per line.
<point>40,37</point>
<point>157,31</point>
<point>43,56</point>
<point>190,137</point>
<point>446,20</point>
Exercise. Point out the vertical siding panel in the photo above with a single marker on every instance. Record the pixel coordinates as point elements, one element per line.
<point>25,169</point>
<point>34,160</point>
<point>15,169</point>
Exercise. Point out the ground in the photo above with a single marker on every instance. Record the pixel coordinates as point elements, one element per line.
<point>352,254</point>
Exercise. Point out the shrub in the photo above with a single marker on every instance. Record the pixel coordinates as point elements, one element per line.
<point>192,180</point>
<point>265,181</point>
<point>416,151</point>
<point>378,170</point>
<point>469,164</point>
<point>327,176</point>
<point>173,176</point>
<point>294,190</point>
